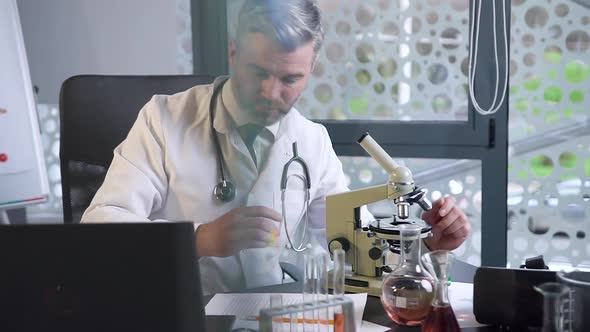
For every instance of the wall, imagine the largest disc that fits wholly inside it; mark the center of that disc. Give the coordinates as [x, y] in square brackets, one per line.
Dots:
[69, 37]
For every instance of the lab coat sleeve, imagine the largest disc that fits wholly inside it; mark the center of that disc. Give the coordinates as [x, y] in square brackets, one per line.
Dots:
[136, 182]
[332, 181]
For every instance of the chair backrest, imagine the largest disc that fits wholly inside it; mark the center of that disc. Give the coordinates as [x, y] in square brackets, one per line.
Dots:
[96, 113]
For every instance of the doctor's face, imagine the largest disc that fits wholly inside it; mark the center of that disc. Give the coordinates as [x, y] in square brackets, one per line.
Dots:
[268, 80]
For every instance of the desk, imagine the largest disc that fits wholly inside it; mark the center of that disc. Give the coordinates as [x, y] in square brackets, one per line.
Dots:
[374, 312]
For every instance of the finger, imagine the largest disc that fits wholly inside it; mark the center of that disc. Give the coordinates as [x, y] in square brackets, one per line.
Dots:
[448, 204]
[260, 223]
[454, 226]
[252, 235]
[445, 222]
[262, 211]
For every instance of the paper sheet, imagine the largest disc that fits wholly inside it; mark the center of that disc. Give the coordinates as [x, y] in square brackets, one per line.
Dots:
[461, 297]
[247, 306]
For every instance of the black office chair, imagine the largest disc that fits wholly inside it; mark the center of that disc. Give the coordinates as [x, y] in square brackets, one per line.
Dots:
[96, 114]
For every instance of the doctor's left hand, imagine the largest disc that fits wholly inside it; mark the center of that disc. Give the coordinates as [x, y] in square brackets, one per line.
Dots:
[450, 226]
[240, 228]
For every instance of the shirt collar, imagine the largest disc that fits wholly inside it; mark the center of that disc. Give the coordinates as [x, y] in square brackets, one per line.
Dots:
[233, 109]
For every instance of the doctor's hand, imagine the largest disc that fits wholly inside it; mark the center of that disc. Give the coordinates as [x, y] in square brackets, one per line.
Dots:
[450, 226]
[241, 228]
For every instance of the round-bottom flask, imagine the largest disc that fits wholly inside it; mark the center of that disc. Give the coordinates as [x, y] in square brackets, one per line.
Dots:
[409, 289]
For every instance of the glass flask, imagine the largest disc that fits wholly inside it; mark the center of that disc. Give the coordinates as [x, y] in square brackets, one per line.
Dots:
[554, 297]
[409, 289]
[441, 317]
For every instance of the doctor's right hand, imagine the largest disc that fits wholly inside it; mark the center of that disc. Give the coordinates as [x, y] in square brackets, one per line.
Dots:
[240, 228]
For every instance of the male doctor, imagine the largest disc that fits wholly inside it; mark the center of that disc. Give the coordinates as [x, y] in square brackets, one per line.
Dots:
[169, 163]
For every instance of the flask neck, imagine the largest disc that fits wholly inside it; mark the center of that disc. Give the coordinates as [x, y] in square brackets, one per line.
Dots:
[441, 297]
[410, 248]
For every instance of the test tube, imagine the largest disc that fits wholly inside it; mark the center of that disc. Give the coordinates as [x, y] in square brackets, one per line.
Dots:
[309, 289]
[276, 301]
[322, 261]
[338, 287]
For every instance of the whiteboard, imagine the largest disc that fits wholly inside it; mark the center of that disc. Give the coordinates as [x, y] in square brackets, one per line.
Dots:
[23, 175]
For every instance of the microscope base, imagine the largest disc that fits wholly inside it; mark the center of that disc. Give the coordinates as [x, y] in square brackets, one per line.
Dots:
[361, 284]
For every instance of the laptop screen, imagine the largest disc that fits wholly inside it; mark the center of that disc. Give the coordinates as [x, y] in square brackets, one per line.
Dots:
[100, 277]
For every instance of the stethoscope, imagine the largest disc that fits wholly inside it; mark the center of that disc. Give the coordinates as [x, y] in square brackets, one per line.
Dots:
[225, 191]
[307, 180]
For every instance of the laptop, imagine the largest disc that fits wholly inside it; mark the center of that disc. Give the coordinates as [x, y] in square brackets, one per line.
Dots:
[100, 277]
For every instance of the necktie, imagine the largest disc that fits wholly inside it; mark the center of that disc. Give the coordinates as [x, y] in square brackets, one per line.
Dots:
[249, 132]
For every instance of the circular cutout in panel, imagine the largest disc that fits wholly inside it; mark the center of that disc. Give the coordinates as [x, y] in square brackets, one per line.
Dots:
[384, 4]
[574, 213]
[412, 69]
[437, 73]
[541, 246]
[551, 201]
[553, 54]
[560, 240]
[343, 28]
[431, 18]
[460, 5]
[379, 87]
[520, 244]
[456, 187]
[555, 31]
[553, 94]
[441, 103]
[335, 52]
[365, 14]
[542, 166]
[536, 226]
[323, 93]
[569, 187]
[465, 66]
[578, 41]
[515, 193]
[568, 160]
[365, 53]
[529, 59]
[424, 46]
[576, 71]
[451, 38]
[436, 195]
[513, 68]
[577, 96]
[363, 77]
[528, 40]
[536, 17]
[365, 175]
[342, 80]
[387, 68]
[476, 200]
[318, 69]
[581, 235]
[562, 10]
[390, 31]
[412, 25]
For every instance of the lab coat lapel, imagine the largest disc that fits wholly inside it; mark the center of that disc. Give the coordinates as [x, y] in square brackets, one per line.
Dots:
[261, 265]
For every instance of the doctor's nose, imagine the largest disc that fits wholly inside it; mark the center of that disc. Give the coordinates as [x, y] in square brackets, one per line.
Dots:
[270, 89]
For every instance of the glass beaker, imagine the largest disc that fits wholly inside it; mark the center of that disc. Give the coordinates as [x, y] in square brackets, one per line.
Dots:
[408, 290]
[579, 308]
[441, 317]
[554, 295]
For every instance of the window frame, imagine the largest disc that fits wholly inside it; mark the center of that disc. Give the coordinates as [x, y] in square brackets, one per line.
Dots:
[483, 138]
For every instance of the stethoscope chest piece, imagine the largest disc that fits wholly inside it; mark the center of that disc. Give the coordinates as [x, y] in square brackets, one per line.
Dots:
[224, 191]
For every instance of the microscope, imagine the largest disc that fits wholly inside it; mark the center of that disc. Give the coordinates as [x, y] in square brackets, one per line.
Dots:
[366, 244]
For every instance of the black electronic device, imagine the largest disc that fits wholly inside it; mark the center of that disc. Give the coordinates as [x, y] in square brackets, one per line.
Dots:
[503, 296]
[100, 277]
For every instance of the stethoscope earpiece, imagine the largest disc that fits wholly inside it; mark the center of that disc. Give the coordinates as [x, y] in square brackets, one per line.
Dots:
[224, 191]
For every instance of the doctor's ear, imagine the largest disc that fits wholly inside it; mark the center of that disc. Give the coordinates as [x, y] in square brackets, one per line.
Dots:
[233, 49]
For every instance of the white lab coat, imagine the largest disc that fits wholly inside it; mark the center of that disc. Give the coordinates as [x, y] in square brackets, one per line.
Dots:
[166, 169]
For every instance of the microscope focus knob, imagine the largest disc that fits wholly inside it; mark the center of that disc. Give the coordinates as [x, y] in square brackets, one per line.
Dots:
[375, 253]
[339, 243]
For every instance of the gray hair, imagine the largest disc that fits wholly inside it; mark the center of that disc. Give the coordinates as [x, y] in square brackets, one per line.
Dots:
[291, 23]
